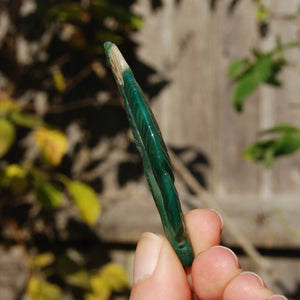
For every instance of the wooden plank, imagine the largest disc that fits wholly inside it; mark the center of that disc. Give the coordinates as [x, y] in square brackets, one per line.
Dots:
[267, 223]
[286, 172]
[177, 42]
[286, 268]
[238, 36]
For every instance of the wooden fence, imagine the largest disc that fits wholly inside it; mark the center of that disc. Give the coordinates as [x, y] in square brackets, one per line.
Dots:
[192, 45]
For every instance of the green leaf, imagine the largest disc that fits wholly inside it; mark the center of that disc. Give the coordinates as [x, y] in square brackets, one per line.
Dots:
[104, 9]
[70, 269]
[238, 67]
[262, 14]
[42, 260]
[41, 290]
[281, 128]
[268, 150]
[7, 136]
[49, 195]
[25, 119]
[256, 151]
[247, 84]
[86, 201]
[16, 179]
[287, 144]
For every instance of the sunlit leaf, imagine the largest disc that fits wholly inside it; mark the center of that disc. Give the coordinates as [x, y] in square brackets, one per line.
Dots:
[105, 295]
[110, 278]
[262, 14]
[49, 195]
[100, 287]
[261, 151]
[7, 135]
[52, 143]
[41, 290]
[25, 119]
[72, 272]
[86, 201]
[42, 260]
[104, 9]
[59, 80]
[237, 67]
[115, 276]
[80, 279]
[16, 179]
[268, 150]
[8, 106]
[247, 84]
[287, 144]
[282, 128]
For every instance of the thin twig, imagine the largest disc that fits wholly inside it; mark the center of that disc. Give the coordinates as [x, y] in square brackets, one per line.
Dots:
[20, 241]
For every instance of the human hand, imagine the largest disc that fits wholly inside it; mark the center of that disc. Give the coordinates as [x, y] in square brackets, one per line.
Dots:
[214, 275]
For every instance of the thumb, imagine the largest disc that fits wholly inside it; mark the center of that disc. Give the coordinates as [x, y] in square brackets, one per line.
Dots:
[158, 273]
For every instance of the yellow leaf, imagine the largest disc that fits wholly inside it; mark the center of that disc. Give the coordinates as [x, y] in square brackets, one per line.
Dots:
[14, 171]
[53, 145]
[41, 290]
[17, 179]
[80, 279]
[7, 135]
[43, 260]
[86, 201]
[59, 80]
[7, 105]
[101, 289]
[262, 14]
[115, 276]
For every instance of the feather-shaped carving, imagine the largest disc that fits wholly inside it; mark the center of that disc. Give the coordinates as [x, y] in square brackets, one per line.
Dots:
[156, 160]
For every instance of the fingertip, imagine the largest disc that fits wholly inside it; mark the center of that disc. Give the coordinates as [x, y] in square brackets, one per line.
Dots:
[146, 255]
[158, 273]
[247, 286]
[278, 297]
[205, 228]
[212, 270]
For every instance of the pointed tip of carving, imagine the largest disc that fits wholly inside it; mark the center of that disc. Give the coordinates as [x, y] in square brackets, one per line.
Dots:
[116, 60]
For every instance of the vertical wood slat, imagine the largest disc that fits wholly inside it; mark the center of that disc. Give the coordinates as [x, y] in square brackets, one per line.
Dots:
[286, 173]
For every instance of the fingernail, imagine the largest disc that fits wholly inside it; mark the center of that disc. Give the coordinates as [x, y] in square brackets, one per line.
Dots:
[146, 256]
[237, 263]
[278, 297]
[258, 279]
[220, 216]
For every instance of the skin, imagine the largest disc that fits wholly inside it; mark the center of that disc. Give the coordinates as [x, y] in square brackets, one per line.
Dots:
[214, 275]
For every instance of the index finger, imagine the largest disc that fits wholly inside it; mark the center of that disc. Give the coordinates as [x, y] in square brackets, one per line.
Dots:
[205, 228]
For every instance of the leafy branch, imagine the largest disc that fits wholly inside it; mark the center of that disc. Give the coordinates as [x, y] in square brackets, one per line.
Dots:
[248, 74]
[54, 48]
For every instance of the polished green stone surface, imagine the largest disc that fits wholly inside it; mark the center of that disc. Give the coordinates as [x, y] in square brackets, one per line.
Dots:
[157, 164]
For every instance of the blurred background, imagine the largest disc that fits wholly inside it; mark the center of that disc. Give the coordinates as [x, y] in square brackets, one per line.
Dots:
[222, 78]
